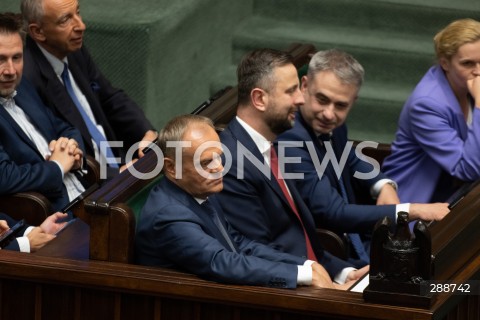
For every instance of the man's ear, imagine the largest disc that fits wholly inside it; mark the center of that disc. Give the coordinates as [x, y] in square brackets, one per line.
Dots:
[169, 167]
[36, 32]
[304, 83]
[259, 98]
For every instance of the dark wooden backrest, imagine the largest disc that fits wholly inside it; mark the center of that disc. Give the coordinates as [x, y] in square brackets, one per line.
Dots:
[34, 207]
[111, 219]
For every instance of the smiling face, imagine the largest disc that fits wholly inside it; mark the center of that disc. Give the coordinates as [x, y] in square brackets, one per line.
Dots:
[462, 66]
[327, 101]
[11, 62]
[201, 165]
[61, 30]
[283, 99]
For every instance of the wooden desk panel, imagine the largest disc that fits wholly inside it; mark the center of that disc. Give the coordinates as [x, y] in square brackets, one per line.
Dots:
[72, 242]
[42, 287]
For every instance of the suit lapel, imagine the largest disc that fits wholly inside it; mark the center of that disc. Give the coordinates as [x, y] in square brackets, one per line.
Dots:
[321, 152]
[21, 134]
[242, 136]
[339, 139]
[26, 102]
[54, 88]
[85, 86]
[185, 198]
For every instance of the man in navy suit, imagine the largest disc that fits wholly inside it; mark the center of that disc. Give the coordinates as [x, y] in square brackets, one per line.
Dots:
[254, 201]
[56, 32]
[33, 238]
[330, 88]
[38, 152]
[182, 224]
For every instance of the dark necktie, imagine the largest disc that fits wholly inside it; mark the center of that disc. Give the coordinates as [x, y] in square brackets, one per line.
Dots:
[355, 239]
[214, 215]
[97, 136]
[283, 186]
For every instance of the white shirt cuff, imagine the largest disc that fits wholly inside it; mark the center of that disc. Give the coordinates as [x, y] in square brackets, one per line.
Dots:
[305, 273]
[341, 277]
[23, 244]
[377, 187]
[60, 167]
[401, 207]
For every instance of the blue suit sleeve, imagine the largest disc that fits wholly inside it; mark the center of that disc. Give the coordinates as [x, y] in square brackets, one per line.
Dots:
[186, 244]
[44, 177]
[329, 208]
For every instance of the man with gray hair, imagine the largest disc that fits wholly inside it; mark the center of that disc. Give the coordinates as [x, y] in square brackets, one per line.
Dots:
[69, 82]
[319, 135]
[182, 224]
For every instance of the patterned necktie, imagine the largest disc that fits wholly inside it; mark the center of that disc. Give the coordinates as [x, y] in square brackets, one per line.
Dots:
[355, 239]
[97, 136]
[283, 186]
[214, 215]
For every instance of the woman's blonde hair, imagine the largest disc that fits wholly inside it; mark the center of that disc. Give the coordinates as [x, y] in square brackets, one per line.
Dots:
[456, 34]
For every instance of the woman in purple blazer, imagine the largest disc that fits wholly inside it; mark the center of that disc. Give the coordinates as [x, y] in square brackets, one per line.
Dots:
[437, 143]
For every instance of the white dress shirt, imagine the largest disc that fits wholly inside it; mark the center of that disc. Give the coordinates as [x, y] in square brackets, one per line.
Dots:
[72, 184]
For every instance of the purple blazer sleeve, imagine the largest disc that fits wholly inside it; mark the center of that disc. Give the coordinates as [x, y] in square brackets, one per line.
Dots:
[433, 138]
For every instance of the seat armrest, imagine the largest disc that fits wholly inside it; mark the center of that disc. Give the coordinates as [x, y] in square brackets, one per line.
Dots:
[31, 206]
[333, 243]
[93, 170]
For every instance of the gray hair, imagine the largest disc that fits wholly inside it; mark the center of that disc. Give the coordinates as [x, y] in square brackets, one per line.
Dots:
[32, 11]
[342, 64]
[175, 129]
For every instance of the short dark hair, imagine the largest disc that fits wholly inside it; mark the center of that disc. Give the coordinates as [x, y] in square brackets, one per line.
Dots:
[11, 23]
[256, 69]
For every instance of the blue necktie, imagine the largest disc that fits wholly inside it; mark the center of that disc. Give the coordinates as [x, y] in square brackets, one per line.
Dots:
[214, 215]
[355, 239]
[97, 136]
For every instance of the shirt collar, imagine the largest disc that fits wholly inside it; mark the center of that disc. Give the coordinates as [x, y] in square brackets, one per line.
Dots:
[57, 64]
[199, 200]
[262, 144]
[5, 100]
[330, 134]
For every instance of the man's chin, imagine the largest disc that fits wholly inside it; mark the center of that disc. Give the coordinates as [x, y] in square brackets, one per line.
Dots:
[6, 92]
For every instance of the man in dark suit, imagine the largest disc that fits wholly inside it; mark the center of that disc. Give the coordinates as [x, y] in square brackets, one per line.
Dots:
[257, 203]
[182, 224]
[32, 238]
[330, 88]
[55, 40]
[38, 152]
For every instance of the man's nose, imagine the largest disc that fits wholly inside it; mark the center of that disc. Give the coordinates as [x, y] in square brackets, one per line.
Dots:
[8, 67]
[329, 111]
[299, 98]
[78, 23]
